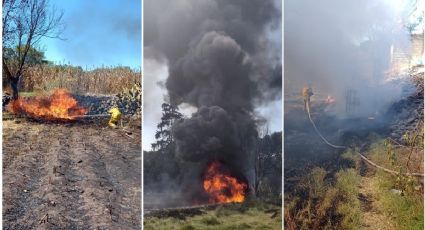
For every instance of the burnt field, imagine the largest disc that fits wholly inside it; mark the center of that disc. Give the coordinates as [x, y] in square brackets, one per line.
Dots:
[335, 188]
[77, 174]
[304, 149]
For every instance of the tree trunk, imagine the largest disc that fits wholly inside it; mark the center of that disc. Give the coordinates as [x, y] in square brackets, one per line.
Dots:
[14, 84]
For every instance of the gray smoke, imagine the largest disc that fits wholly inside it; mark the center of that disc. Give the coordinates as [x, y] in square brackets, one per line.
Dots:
[338, 46]
[221, 61]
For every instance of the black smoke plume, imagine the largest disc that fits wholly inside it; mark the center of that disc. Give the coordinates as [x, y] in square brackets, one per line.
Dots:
[221, 61]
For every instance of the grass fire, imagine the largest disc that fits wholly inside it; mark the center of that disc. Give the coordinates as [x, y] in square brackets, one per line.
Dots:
[60, 105]
[354, 152]
[71, 110]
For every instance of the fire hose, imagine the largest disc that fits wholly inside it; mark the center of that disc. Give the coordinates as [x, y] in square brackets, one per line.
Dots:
[91, 115]
[318, 132]
[114, 113]
[361, 155]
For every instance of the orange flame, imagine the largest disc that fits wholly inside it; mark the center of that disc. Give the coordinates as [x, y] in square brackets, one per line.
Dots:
[221, 186]
[329, 100]
[60, 105]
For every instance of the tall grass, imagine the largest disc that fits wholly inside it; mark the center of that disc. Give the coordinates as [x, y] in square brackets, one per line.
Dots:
[105, 80]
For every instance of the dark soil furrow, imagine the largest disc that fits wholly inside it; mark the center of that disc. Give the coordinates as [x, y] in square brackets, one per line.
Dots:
[70, 176]
[23, 181]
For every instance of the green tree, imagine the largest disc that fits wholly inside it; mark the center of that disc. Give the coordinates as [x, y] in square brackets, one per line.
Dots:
[34, 56]
[163, 135]
[25, 22]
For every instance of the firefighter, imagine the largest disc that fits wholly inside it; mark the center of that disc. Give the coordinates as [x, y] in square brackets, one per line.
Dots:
[307, 92]
[115, 117]
[6, 99]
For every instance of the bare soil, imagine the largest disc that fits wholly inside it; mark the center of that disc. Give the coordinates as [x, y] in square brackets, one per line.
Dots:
[70, 176]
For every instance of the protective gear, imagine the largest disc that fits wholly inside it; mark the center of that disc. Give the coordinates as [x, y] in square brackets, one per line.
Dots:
[115, 117]
[307, 92]
[6, 99]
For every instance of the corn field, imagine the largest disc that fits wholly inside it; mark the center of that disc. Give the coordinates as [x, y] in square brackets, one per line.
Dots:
[105, 80]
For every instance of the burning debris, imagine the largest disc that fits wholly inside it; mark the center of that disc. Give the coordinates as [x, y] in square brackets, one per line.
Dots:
[59, 106]
[221, 186]
[329, 100]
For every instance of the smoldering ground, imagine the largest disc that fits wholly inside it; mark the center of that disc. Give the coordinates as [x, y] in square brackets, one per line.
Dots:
[340, 46]
[337, 47]
[222, 62]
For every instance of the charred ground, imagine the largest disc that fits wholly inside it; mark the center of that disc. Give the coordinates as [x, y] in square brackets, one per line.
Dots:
[321, 183]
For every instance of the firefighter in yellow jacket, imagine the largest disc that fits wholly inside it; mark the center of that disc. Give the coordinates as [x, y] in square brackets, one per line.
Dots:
[115, 117]
[307, 92]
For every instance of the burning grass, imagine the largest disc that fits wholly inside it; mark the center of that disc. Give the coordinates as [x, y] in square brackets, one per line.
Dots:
[59, 106]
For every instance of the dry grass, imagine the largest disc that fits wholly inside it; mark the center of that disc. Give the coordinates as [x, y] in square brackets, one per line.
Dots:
[321, 204]
[418, 80]
[105, 80]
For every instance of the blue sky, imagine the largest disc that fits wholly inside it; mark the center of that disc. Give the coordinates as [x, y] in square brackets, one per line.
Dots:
[97, 33]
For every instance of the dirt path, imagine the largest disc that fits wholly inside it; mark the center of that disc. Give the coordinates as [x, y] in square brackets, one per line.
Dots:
[70, 176]
[372, 217]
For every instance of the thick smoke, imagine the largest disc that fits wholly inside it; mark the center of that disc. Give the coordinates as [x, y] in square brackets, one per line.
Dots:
[214, 71]
[222, 62]
[339, 46]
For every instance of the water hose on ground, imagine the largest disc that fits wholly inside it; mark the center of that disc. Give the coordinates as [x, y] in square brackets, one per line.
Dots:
[361, 155]
[318, 132]
[389, 170]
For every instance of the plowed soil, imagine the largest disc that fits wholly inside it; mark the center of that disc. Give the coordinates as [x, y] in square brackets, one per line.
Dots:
[70, 176]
